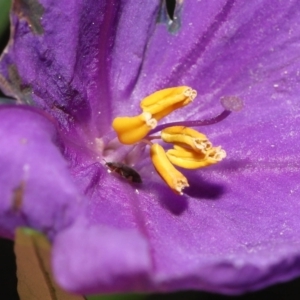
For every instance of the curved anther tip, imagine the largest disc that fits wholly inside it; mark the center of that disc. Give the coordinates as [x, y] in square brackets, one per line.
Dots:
[151, 122]
[232, 103]
[189, 92]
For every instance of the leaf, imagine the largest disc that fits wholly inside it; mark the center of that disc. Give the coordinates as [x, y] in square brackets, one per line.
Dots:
[35, 279]
[4, 13]
[118, 297]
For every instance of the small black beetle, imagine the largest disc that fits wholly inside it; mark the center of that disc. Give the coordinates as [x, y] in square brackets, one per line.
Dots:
[125, 171]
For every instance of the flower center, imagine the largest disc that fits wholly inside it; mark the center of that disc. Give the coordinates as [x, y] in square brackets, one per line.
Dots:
[191, 149]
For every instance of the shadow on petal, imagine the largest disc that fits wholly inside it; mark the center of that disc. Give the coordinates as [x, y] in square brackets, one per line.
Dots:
[176, 204]
[203, 189]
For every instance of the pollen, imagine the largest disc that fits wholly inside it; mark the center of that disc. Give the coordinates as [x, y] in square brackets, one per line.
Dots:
[172, 177]
[133, 129]
[189, 159]
[188, 137]
[163, 102]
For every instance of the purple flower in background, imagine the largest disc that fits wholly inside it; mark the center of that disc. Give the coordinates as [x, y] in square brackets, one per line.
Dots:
[80, 64]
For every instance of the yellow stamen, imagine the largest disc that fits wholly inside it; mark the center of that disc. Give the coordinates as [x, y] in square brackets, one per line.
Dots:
[180, 135]
[189, 159]
[192, 149]
[173, 178]
[132, 129]
[163, 102]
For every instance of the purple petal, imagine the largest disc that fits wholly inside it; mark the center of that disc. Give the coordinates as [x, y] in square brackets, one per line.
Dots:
[118, 259]
[247, 49]
[235, 230]
[237, 227]
[67, 73]
[36, 188]
[72, 80]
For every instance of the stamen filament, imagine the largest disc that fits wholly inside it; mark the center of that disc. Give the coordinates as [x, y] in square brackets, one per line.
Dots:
[223, 115]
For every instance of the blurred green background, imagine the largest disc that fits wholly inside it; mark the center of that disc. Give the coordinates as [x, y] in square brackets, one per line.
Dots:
[4, 30]
[4, 9]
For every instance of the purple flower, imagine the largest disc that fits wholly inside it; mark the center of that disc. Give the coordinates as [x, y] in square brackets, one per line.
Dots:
[80, 64]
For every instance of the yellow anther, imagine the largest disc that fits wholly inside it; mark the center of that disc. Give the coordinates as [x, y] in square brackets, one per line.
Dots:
[185, 136]
[192, 149]
[216, 153]
[174, 179]
[189, 159]
[132, 129]
[163, 102]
